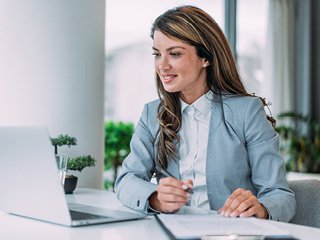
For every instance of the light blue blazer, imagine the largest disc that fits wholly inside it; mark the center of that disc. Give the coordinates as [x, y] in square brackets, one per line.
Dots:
[242, 153]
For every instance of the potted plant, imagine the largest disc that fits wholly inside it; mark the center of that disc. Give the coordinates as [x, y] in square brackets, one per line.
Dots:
[74, 163]
[299, 142]
[117, 141]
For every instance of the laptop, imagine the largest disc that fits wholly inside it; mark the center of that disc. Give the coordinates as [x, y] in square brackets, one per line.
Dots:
[30, 184]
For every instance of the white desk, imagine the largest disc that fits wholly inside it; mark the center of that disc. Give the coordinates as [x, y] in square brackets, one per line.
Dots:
[14, 227]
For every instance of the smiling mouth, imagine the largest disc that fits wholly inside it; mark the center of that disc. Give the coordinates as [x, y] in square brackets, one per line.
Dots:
[168, 78]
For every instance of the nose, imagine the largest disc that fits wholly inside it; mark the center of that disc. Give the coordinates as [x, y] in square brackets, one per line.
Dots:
[163, 63]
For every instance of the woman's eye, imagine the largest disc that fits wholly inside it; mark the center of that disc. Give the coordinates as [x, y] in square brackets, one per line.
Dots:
[175, 54]
[156, 54]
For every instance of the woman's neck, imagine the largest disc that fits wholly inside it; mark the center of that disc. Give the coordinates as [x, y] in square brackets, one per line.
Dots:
[191, 98]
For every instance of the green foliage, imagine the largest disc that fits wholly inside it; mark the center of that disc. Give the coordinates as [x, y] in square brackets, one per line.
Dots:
[76, 163]
[117, 141]
[108, 184]
[63, 140]
[79, 163]
[300, 142]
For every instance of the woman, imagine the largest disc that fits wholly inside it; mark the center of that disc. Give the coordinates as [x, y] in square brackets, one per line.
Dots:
[205, 130]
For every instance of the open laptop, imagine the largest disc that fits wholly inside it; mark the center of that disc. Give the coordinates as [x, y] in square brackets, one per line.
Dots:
[30, 185]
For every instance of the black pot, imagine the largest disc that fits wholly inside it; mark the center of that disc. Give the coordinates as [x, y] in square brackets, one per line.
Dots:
[70, 184]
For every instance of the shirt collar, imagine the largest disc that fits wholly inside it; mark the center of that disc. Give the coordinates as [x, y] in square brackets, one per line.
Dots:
[203, 104]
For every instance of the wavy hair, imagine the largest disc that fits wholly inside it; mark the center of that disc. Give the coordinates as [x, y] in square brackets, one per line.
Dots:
[195, 27]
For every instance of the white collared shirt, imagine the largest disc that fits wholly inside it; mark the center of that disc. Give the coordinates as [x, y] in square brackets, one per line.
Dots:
[194, 134]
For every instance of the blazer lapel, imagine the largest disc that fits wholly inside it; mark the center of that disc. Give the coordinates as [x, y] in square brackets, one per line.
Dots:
[215, 122]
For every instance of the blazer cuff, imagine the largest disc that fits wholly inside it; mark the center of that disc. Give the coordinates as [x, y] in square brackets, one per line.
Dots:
[269, 214]
[141, 201]
[275, 211]
[133, 197]
[150, 209]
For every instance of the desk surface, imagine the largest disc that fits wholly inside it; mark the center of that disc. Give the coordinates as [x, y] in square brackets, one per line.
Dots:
[14, 227]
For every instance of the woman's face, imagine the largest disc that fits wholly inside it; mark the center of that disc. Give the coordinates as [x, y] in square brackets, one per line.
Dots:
[179, 67]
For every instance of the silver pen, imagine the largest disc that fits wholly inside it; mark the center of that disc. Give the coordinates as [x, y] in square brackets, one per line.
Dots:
[167, 174]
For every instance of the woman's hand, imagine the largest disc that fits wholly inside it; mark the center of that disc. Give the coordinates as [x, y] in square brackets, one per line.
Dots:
[242, 203]
[171, 195]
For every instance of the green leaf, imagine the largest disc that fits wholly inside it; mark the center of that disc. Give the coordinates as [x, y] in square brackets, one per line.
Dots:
[79, 163]
[299, 142]
[117, 144]
[64, 140]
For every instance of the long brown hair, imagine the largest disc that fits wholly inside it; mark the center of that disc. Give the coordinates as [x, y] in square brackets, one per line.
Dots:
[195, 27]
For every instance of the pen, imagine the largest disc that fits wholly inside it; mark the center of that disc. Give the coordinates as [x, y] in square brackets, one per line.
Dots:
[167, 174]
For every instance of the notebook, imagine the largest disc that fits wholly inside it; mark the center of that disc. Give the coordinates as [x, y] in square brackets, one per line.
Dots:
[30, 184]
[210, 225]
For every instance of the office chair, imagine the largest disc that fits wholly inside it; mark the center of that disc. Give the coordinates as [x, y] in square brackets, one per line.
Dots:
[308, 202]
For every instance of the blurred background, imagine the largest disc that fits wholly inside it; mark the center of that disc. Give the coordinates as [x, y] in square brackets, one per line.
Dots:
[85, 68]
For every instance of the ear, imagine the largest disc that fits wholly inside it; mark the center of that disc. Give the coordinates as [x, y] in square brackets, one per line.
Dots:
[205, 62]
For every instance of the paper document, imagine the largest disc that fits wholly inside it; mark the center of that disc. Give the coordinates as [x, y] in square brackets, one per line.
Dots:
[191, 226]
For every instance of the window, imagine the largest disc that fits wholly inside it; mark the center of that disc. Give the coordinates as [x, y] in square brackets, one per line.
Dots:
[251, 45]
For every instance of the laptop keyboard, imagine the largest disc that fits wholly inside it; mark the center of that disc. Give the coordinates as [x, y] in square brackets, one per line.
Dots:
[76, 215]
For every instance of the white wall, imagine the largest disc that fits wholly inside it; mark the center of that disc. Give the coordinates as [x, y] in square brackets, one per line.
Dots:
[52, 71]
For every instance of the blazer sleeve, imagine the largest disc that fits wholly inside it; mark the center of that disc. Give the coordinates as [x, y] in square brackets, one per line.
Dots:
[268, 169]
[133, 186]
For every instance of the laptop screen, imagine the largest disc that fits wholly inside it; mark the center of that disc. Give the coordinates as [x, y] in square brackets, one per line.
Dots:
[29, 181]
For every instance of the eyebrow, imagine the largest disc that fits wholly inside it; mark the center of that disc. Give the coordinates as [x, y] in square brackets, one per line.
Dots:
[169, 49]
